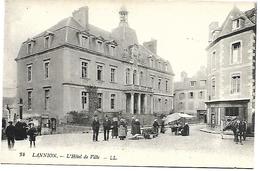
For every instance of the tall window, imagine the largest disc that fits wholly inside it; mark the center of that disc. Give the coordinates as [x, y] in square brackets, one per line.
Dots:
[46, 69]
[236, 53]
[112, 50]
[99, 101]
[201, 94]
[181, 96]
[85, 42]
[46, 99]
[213, 87]
[84, 69]
[235, 24]
[235, 83]
[192, 83]
[99, 46]
[112, 76]
[203, 82]
[29, 73]
[29, 48]
[112, 101]
[29, 100]
[191, 95]
[84, 99]
[141, 78]
[159, 84]
[166, 85]
[152, 82]
[47, 42]
[127, 79]
[134, 77]
[99, 72]
[213, 60]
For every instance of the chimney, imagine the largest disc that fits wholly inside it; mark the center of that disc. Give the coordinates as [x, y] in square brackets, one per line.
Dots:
[81, 16]
[184, 75]
[151, 45]
[212, 28]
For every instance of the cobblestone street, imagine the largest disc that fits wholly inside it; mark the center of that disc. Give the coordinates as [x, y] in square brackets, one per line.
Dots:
[200, 149]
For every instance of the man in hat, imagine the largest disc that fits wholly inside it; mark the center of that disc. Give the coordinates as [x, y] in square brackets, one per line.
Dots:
[32, 132]
[106, 127]
[95, 128]
[10, 134]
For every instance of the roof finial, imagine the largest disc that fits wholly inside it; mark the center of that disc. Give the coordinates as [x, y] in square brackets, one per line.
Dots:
[123, 14]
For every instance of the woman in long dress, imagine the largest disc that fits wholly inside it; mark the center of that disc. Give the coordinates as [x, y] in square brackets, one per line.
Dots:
[114, 128]
[122, 130]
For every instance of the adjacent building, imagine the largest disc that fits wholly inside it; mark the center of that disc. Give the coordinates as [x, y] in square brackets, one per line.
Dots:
[231, 68]
[190, 95]
[75, 66]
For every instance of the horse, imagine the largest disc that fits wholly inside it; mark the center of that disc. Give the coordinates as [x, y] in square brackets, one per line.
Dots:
[236, 127]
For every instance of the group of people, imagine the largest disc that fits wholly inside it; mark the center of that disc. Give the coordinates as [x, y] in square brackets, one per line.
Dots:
[12, 133]
[119, 129]
[179, 129]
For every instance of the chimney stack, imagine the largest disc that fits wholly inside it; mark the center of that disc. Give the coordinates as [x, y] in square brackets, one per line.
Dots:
[81, 16]
[212, 28]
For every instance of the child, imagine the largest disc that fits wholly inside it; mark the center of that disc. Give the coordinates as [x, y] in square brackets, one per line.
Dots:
[32, 134]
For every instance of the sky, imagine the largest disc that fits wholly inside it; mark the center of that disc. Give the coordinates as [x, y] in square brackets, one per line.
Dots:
[180, 27]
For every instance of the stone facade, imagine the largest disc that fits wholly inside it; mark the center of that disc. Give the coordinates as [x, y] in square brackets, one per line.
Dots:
[56, 68]
[190, 95]
[231, 68]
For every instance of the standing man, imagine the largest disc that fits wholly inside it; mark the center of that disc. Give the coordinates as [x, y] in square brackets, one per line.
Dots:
[32, 132]
[156, 126]
[244, 129]
[133, 128]
[95, 128]
[106, 126]
[10, 134]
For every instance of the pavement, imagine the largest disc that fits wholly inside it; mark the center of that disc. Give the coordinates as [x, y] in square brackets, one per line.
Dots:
[200, 149]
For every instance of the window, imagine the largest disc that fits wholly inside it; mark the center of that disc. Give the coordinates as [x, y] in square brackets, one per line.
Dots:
[127, 79]
[203, 82]
[84, 69]
[152, 82]
[191, 95]
[29, 100]
[235, 24]
[159, 84]
[29, 73]
[84, 99]
[201, 94]
[166, 67]
[46, 69]
[235, 83]
[112, 77]
[85, 42]
[134, 77]
[181, 96]
[99, 101]
[99, 46]
[213, 87]
[46, 99]
[181, 106]
[112, 101]
[166, 85]
[231, 111]
[192, 83]
[112, 50]
[165, 101]
[99, 72]
[159, 65]
[47, 42]
[141, 78]
[29, 48]
[236, 53]
[213, 60]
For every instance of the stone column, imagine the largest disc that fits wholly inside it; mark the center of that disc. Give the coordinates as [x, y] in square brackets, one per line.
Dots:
[145, 103]
[151, 104]
[132, 103]
[139, 103]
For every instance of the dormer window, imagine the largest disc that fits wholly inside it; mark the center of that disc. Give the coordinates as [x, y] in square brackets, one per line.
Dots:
[85, 41]
[47, 42]
[99, 46]
[112, 50]
[29, 48]
[235, 24]
[166, 67]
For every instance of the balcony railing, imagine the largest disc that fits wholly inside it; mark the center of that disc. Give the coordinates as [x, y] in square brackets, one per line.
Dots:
[137, 88]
